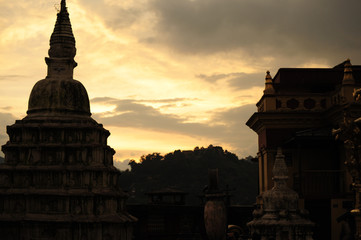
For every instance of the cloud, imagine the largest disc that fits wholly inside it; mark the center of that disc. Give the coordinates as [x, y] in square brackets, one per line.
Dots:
[293, 30]
[12, 77]
[5, 120]
[216, 77]
[236, 133]
[117, 14]
[169, 100]
[122, 165]
[7, 108]
[237, 80]
[170, 103]
[166, 101]
[103, 100]
[225, 126]
[129, 113]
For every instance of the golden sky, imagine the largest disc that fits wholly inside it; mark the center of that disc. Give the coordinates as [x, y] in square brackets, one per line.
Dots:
[163, 75]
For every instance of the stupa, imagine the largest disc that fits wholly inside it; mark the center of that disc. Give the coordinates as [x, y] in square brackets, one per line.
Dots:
[279, 217]
[58, 180]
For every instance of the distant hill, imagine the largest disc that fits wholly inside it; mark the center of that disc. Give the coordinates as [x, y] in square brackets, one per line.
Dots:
[2, 160]
[188, 171]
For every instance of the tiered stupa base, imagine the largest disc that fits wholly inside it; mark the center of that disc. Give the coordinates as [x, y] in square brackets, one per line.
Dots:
[59, 182]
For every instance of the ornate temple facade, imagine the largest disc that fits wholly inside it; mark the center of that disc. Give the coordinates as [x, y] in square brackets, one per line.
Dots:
[58, 180]
[278, 216]
[298, 110]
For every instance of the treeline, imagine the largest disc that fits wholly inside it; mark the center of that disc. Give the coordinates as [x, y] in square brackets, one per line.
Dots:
[188, 171]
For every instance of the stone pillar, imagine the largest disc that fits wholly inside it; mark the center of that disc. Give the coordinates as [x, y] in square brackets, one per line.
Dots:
[215, 212]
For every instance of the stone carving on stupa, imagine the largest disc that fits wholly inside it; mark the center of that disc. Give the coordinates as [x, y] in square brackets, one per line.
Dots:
[58, 180]
[278, 217]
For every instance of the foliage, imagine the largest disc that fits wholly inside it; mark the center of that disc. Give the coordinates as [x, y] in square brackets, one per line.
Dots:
[188, 171]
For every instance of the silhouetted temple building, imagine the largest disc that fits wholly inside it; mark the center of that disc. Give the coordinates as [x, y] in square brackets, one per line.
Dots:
[58, 180]
[298, 110]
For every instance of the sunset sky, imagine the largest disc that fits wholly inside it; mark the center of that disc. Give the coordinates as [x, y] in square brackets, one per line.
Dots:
[164, 75]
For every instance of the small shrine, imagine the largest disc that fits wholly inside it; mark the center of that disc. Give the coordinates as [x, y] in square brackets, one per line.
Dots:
[278, 216]
[58, 180]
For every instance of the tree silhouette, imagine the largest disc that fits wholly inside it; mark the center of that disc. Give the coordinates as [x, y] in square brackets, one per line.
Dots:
[188, 171]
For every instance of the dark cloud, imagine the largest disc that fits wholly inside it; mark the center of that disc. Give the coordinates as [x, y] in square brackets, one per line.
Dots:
[129, 113]
[245, 81]
[236, 133]
[227, 126]
[291, 30]
[237, 80]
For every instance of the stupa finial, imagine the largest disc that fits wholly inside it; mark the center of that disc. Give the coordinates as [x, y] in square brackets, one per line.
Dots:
[63, 6]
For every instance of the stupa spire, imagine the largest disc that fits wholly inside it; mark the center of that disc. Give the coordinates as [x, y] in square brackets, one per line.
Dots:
[63, 5]
[62, 41]
[62, 46]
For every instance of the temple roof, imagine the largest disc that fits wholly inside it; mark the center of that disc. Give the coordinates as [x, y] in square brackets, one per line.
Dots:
[313, 80]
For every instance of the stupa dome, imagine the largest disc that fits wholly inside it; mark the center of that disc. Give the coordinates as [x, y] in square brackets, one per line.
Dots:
[63, 96]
